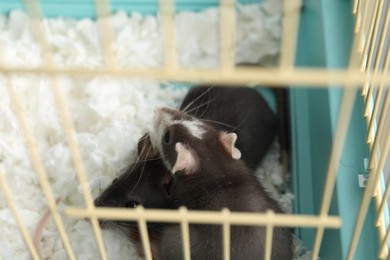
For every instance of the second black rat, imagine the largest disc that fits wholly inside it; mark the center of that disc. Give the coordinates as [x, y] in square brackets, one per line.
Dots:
[241, 110]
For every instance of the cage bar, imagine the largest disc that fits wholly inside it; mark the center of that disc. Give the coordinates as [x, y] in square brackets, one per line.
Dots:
[227, 35]
[289, 32]
[226, 234]
[383, 244]
[268, 238]
[380, 90]
[77, 161]
[355, 6]
[185, 234]
[379, 132]
[144, 233]
[103, 11]
[168, 33]
[372, 117]
[38, 166]
[33, 10]
[206, 217]
[315, 78]
[371, 185]
[361, 16]
[369, 47]
[11, 204]
[383, 203]
[346, 107]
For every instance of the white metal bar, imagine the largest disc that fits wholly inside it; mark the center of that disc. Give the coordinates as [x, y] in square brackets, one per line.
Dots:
[372, 182]
[362, 31]
[381, 120]
[383, 203]
[268, 238]
[372, 116]
[77, 161]
[378, 55]
[226, 234]
[103, 12]
[346, 106]
[371, 39]
[33, 10]
[381, 125]
[315, 78]
[381, 227]
[290, 22]
[368, 37]
[185, 235]
[227, 40]
[204, 217]
[38, 30]
[38, 167]
[355, 6]
[383, 244]
[144, 234]
[358, 16]
[367, 105]
[11, 204]
[168, 33]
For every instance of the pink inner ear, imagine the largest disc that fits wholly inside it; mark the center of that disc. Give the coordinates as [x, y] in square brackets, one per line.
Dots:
[185, 161]
[228, 141]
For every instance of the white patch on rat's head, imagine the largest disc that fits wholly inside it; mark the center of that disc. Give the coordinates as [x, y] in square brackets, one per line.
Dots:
[163, 119]
[194, 127]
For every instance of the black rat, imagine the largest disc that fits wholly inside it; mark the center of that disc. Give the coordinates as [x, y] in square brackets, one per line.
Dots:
[209, 175]
[238, 109]
[241, 110]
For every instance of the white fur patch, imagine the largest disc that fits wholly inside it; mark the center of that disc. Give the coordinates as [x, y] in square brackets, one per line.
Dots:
[194, 127]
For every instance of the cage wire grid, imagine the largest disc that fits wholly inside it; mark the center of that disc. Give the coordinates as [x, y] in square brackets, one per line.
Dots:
[364, 70]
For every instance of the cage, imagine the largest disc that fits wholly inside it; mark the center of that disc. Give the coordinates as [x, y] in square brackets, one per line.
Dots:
[334, 58]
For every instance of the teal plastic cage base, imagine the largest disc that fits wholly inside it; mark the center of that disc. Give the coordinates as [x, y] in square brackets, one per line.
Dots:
[86, 8]
[325, 39]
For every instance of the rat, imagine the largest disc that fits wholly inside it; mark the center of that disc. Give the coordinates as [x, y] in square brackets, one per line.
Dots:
[144, 183]
[241, 110]
[209, 175]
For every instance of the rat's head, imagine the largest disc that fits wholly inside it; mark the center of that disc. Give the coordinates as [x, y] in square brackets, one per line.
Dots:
[186, 143]
[147, 182]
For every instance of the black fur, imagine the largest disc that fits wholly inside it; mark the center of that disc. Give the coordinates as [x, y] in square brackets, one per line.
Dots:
[241, 110]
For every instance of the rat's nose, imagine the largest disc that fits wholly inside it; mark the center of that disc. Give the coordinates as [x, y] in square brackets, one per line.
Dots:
[157, 117]
[157, 110]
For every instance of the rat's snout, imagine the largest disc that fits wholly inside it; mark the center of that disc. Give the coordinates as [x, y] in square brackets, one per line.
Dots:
[157, 110]
[157, 118]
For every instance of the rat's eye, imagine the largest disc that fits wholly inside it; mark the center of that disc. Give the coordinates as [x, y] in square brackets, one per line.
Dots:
[167, 136]
[114, 181]
[131, 204]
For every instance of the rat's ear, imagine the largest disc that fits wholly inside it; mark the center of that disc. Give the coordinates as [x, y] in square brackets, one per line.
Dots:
[145, 148]
[228, 141]
[185, 160]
